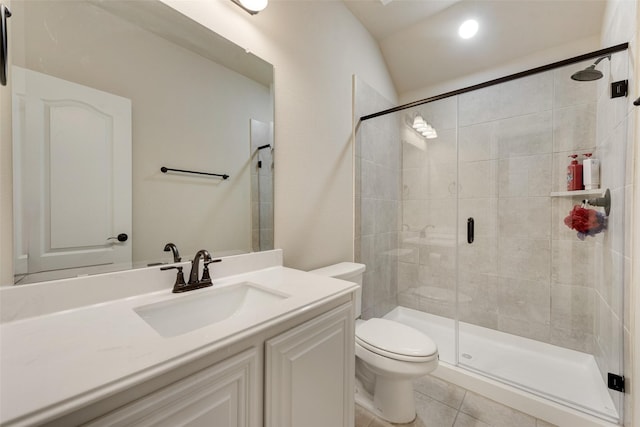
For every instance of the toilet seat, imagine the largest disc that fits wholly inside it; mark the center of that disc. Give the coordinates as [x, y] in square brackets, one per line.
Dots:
[395, 340]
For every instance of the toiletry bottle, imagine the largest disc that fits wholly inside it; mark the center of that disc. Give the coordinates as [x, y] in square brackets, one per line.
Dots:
[591, 172]
[574, 174]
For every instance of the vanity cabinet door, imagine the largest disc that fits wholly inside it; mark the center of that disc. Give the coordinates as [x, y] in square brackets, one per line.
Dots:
[310, 373]
[226, 394]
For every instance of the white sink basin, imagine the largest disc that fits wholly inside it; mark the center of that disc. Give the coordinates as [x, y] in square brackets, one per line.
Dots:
[188, 312]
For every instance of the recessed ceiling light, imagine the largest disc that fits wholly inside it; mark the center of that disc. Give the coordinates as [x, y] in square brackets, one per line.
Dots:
[468, 29]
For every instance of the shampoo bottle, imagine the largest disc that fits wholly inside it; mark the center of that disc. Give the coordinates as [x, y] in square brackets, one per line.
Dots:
[574, 174]
[591, 172]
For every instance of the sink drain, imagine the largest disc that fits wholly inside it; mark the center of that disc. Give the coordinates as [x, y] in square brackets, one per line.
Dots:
[467, 356]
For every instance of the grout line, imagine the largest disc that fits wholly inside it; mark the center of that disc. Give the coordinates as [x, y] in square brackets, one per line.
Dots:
[455, 419]
[464, 396]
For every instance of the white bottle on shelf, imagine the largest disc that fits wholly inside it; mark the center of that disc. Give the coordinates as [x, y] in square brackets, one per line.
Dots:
[590, 172]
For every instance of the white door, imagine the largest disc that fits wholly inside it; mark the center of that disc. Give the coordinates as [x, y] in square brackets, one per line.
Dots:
[72, 174]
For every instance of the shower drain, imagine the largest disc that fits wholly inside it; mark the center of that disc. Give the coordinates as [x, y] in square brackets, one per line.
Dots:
[467, 356]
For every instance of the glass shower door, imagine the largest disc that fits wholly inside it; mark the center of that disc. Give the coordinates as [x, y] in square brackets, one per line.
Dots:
[534, 299]
[428, 267]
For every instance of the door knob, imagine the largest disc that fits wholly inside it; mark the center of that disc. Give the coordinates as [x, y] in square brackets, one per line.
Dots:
[122, 237]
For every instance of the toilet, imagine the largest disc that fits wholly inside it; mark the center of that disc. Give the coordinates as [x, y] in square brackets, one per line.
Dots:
[389, 355]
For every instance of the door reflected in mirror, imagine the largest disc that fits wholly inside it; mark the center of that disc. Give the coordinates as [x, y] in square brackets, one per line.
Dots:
[104, 95]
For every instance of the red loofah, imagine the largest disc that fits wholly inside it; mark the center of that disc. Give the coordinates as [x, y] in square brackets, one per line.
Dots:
[581, 219]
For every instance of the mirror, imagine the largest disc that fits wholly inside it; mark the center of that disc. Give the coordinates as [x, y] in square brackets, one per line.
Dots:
[105, 94]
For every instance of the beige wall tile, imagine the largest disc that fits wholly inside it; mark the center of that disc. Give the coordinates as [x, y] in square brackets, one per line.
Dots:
[573, 262]
[478, 179]
[479, 106]
[573, 339]
[525, 135]
[524, 300]
[524, 259]
[525, 328]
[525, 176]
[525, 217]
[526, 95]
[478, 142]
[572, 308]
[574, 128]
[569, 92]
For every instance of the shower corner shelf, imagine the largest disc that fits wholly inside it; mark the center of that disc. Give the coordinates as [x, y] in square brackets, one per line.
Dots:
[603, 201]
[597, 191]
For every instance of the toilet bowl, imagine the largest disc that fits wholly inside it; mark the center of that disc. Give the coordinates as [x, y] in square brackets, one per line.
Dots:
[389, 355]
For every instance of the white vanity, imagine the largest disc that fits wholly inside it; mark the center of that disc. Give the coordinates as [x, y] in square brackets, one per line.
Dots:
[265, 345]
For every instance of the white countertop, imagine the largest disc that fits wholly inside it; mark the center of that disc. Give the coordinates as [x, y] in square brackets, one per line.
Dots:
[53, 364]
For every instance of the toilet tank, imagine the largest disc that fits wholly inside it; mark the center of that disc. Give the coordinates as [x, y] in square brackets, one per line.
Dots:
[349, 271]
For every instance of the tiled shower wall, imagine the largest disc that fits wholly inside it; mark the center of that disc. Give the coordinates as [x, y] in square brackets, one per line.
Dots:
[377, 164]
[526, 273]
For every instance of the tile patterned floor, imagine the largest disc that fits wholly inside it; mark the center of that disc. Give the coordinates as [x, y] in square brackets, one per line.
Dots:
[441, 404]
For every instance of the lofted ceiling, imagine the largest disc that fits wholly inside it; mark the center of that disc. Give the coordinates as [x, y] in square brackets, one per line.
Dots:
[421, 46]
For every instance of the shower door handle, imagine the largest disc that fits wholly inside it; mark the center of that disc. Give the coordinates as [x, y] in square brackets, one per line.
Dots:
[470, 229]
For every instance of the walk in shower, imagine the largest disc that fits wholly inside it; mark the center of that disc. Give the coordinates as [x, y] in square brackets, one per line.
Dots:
[466, 232]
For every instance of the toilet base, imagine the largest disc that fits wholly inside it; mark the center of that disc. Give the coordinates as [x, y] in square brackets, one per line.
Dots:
[392, 401]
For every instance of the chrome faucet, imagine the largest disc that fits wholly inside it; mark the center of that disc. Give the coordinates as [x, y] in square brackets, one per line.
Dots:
[174, 249]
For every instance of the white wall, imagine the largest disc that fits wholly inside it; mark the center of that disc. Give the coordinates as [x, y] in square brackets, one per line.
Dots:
[315, 48]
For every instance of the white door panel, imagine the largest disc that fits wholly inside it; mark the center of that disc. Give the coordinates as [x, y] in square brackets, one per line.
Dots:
[73, 145]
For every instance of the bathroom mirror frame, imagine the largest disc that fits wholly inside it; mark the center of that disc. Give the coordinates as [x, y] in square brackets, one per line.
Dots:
[249, 191]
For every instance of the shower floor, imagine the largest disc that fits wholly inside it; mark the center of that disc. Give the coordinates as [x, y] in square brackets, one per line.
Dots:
[562, 375]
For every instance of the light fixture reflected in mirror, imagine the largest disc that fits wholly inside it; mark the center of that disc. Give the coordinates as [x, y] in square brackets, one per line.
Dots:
[421, 126]
[252, 6]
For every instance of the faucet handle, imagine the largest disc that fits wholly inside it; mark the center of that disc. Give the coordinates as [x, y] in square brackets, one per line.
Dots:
[205, 270]
[179, 284]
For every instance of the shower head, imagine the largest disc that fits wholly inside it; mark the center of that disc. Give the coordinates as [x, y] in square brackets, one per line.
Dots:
[590, 73]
